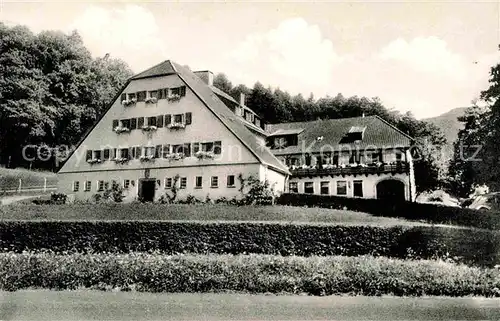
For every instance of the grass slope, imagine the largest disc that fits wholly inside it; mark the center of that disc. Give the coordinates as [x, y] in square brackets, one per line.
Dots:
[180, 212]
[9, 178]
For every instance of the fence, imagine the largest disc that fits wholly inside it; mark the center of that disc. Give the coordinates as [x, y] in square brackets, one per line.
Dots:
[21, 186]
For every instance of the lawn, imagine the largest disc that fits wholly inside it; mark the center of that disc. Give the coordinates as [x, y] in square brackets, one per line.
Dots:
[93, 305]
[180, 212]
[9, 178]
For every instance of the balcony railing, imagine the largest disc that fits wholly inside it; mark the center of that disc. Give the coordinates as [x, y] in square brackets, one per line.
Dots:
[400, 167]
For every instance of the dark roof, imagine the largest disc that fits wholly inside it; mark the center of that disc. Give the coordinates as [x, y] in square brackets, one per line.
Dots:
[378, 133]
[228, 118]
[161, 69]
[289, 131]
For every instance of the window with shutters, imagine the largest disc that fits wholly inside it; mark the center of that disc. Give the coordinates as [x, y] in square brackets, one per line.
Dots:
[189, 118]
[168, 119]
[166, 150]
[153, 94]
[116, 122]
[183, 182]
[125, 123]
[88, 186]
[136, 152]
[178, 118]
[113, 153]
[159, 121]
[196, 147]
[133, 123]
[168, 182]
[100, 186]
[76, 186]
[358, 188]
[178, 149]
[152, 121]
[124, 153]
[207, 147]
[217, 147]
[141, 96]
[149, 151]
[89, 155]
[131, 96]
[123, 97]
[98, 154]
[140, 122]
[198, 182]
[214, 182]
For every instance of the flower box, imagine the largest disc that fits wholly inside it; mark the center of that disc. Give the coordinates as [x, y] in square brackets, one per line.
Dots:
[94, 161]
[202, 155]
[175, 156]
[151, 100]
[176, 126]
[174, 97]
[129, 102]
[121, 160]
[147, 158]
[120, 130]
[149, 128]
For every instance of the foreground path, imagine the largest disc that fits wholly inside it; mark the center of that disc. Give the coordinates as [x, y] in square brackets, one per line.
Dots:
[90, 305]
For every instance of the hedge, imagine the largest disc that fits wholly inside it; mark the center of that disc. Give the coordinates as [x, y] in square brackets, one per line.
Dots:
[477, 247]
[245, 273]
[432, 213]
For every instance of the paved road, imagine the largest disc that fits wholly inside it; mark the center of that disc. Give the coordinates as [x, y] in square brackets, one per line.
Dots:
[92, 305]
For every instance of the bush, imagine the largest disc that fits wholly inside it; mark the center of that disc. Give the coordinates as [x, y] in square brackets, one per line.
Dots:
[432, 213]
[478, 247]
[245, 273]
[55, 199]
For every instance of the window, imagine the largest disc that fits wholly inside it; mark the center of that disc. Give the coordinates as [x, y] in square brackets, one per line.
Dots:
[106, 154]
[325, 188]
[341, 188]
[100, 186]
[97, 154]
[207, 147]
[123, 97]
[358, 188]
[116, 122]
[178, 118]
[141, 96]
[153, 94]
[280, 142]
[189, 118]
[181, 91]
[158, 152]
[136, 152]
[214, 181]
[309, 187]
[399, 156]
[183, 182]
[198, 182]
[149, 151]
[133, 123]
[293, 187]
[131, 96]
[230, 181]
[125, 123]
[168, 182]
[76, 186]
[166, 150]
[196, 147]
[178, 148]
[217, 147]
[126, 183]
[187, 150]
[152, 121]
[88, 186]
[124, 153]
[168, 119]
[161, 93]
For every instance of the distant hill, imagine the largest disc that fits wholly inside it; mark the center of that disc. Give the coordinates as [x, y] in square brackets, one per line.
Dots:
[449, 123]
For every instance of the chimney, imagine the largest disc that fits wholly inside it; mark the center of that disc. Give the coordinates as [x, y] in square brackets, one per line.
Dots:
[206, 75]
[242, 99]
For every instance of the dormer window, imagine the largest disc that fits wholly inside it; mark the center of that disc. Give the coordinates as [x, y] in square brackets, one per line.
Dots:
[355, 134]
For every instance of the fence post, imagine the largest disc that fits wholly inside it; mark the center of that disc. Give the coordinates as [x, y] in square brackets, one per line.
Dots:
[20, 185]
[44, 184]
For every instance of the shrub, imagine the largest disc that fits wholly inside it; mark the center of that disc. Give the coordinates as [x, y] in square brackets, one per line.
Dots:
[115, 193]
[432, 213]
[245, 273]
[257, 192]
[479, 247]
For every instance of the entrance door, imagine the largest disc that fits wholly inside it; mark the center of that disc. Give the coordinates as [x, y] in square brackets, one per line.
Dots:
[391, 190]
[147, 189]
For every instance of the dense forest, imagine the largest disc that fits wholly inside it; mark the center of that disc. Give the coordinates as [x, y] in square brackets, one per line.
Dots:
[52, 90]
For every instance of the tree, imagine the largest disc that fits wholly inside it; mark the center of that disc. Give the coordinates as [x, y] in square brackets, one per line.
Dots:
[222, 82]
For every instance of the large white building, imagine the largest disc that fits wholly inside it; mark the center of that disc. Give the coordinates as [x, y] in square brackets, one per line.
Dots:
[169, 125]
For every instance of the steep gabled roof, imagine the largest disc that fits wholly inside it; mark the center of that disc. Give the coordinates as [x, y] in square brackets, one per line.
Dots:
[229, 119]
[377, 133]
[161, 69]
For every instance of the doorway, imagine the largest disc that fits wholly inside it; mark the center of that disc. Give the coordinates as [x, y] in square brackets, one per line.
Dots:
[391, 190]
[147, 188]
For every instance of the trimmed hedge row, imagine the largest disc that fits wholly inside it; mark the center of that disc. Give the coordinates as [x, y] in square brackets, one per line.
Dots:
[245, 273]
[432, 213]
[478, 247]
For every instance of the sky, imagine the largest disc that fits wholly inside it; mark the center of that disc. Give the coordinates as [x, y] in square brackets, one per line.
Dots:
[423, 57]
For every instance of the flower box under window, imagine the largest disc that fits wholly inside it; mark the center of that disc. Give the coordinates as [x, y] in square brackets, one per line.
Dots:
[147, 158]
[121, 160]
[151, 100]
[176, 126]
[174, 97]
[204, 155]
[149, 128]
[175, 156]
[129, 102]
[119, 129]
[94, 161]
